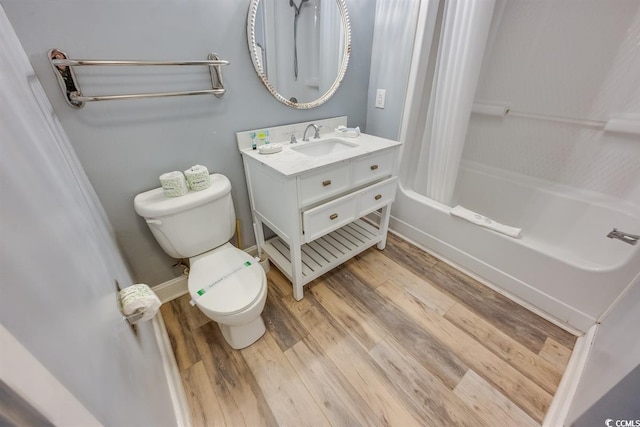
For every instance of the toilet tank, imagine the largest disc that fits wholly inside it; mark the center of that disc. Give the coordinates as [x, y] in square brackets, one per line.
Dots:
[189, 225]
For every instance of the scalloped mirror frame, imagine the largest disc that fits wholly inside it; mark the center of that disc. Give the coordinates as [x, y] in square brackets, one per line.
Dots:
[346, 25]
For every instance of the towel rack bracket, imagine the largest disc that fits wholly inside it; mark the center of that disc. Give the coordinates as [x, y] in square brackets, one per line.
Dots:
[216, 75]
[66, 78]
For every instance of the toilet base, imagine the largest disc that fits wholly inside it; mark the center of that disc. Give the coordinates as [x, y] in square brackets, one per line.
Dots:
[242, 336]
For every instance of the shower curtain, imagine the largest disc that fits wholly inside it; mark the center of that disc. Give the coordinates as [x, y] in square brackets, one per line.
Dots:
[463, 38]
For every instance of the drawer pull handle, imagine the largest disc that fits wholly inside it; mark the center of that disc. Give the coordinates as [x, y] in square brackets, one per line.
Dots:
[326, 183]
[374, 167]
[333, 216]
[378, 197]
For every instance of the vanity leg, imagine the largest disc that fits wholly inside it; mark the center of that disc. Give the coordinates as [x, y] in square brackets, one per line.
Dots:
[296, 270]
[384, 226]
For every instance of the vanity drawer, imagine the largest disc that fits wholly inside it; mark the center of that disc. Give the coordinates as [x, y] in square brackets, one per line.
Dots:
[372, 167]
[322, 219]
[319, 185]
[376, 196]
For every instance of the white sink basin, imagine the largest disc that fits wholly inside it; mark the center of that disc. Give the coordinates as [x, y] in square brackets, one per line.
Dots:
[323, 147]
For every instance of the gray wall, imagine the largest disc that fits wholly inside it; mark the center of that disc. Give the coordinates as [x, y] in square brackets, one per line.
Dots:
[125, 145]
[614, 355]
[395, 28]
[622, 402]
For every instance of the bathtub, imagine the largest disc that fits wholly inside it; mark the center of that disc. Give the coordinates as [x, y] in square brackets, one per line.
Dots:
[563, 266]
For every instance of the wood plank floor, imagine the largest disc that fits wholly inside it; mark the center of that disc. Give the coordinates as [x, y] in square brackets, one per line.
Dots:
[390, 338]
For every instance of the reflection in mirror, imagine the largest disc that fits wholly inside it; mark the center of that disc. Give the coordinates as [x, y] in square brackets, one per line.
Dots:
[299, 48]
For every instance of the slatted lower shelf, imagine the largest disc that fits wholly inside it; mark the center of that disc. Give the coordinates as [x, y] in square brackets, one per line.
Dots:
[326, 252]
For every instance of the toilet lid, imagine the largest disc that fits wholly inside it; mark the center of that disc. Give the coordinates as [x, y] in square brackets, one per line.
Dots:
[226, 280]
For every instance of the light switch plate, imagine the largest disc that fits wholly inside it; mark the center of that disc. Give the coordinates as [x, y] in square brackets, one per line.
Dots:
[380, 95]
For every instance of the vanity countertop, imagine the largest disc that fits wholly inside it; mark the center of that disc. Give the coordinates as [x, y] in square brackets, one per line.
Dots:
[289, 162]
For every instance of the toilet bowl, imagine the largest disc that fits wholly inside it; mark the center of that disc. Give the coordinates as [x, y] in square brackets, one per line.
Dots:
[230, 288]
[225, 283]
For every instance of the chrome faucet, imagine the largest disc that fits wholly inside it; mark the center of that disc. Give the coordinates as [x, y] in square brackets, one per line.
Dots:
[315, 136]
[629, 238]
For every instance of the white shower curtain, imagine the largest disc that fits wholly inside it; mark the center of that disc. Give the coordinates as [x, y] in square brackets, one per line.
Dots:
[463, 37]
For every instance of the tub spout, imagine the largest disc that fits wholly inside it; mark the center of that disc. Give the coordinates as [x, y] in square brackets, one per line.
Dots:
[629, 238]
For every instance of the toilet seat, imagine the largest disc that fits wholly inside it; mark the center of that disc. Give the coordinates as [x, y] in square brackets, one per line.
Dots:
[225, 280]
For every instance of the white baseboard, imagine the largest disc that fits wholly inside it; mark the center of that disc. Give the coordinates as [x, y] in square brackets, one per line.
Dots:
[171, 289]
[562, 400]
[172, 373]
[252, 250]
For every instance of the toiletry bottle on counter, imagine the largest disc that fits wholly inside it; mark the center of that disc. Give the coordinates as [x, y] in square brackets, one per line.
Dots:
[253, 140]
[261, 137]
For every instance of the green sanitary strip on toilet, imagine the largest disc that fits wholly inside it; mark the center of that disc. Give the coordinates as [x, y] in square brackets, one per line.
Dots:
[203, 291]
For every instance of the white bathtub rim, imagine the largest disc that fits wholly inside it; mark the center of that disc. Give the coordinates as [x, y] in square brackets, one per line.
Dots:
[525, 240]
[620, 213]
[574, 193]
[572, 320]
[595, 293]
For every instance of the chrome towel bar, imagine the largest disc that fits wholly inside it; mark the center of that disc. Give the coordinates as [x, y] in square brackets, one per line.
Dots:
[63, 69]
[80, 98]
[85, 62]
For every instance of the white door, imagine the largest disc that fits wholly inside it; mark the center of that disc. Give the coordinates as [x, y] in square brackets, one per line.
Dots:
[59, 263]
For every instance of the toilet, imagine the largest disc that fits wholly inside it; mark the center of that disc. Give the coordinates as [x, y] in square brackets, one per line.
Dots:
[226, 284]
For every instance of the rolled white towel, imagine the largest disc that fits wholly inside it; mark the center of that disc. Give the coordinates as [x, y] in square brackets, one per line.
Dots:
[174, 184]
[348, 132]
[198, 177]
[483, 221]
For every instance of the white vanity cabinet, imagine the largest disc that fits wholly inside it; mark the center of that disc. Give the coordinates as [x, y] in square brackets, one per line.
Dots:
[316, 212]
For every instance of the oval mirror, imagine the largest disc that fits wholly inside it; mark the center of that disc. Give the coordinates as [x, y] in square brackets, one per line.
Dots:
[299, 48]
